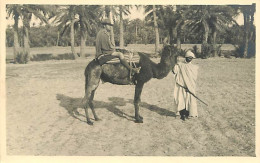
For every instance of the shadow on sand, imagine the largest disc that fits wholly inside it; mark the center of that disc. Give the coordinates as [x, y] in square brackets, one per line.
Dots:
[154, 108]
[72, 104]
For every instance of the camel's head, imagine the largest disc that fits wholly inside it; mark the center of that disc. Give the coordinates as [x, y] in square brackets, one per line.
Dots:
[169, 55]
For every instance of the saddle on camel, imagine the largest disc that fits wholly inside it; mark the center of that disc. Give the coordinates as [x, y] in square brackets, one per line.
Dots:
[130, 57]
[106, 53]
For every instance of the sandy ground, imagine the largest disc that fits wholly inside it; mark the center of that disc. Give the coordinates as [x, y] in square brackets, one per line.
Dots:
[41, 96]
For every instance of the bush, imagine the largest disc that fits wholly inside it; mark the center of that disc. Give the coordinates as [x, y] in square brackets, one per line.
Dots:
[206, 50]
[22, 57]
[239, 52]
[228, 54]
[45, 57]
[42, 57]
[195, 50]
[181, 52]
[218, 49]
[66, 56]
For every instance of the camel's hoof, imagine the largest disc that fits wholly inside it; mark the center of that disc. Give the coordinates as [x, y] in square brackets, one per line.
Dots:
[90, 123]
[141, 117]
[138, 121]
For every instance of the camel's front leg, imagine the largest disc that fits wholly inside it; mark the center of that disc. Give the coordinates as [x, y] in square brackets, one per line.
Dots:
[137, 100]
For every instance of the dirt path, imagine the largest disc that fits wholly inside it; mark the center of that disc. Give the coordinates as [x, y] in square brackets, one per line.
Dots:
[42, 95]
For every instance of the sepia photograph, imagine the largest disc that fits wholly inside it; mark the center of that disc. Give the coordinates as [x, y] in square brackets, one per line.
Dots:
[172, 79]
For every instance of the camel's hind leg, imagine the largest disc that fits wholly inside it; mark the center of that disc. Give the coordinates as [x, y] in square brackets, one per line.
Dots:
[92, 106]
[92, 75]
[88, 102]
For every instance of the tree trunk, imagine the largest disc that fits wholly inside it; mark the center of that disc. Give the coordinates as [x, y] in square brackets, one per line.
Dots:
[112, 29]
[204, 47]
[136, 34]
[206, 34]
[83, 36]
[171, 36]
[178, 43]
[214, 44]
[26, 40]
[121, 29]
[83, 39]
[26, 45]
[58, 38]
[246, 18]
[16, 41]
[156, 30]
[72, 40]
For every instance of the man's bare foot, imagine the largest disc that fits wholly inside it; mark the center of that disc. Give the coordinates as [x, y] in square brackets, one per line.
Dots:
[136, 70]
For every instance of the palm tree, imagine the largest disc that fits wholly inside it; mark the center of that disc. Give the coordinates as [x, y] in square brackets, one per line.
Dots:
[168, 17]
[82, 18]
[25, 13]
[208, 18]
[151, 14]
[14, 10]
[123, 10]
[248, 14]
[221, 18]
[173, 21]
[88, 16]
[66, 18]
[136, 25]
[197, 18]
[112, 13]
[39, 11]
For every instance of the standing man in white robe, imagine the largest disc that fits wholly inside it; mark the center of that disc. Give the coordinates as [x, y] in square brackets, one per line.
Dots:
[185, 74]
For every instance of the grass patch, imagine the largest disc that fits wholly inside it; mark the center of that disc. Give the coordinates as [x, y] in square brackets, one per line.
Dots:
[66, 56]
[45, 57]
[42, 57]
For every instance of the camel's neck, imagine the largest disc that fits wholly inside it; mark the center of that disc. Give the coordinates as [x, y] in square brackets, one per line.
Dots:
[161, 69]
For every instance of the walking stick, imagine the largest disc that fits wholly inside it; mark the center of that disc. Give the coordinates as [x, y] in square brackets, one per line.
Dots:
[187, 90]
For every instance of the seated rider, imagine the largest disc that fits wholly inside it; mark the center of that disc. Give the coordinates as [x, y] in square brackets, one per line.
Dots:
[104, 46]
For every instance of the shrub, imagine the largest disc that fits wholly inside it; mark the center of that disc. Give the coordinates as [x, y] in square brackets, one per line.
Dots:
[42, 57]
[218, 49]
[239, 52]
[181, 52]
[206, 50]
[22, 57]
[195, 50]
[227, 53]
[45, 57]
[251, 49]
[66, 56]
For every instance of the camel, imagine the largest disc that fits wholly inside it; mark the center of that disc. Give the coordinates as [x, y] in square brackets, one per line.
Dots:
[118, 74]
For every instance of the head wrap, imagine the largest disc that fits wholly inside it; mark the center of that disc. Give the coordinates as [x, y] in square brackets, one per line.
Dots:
[189, 54]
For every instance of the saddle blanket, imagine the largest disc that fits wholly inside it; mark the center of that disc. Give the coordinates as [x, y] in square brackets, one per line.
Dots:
[108, 59]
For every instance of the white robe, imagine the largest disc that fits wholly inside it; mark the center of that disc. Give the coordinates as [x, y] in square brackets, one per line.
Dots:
[186, 76]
